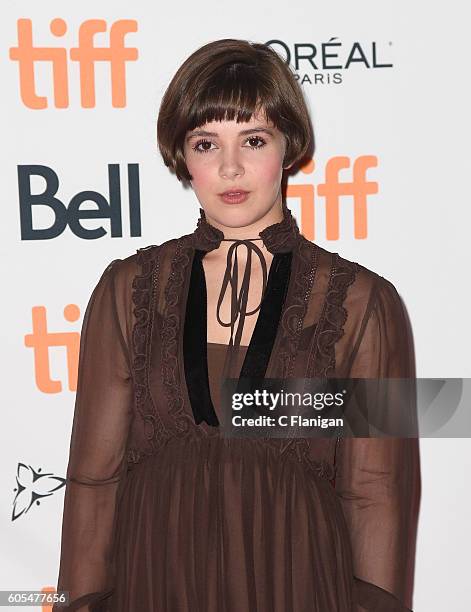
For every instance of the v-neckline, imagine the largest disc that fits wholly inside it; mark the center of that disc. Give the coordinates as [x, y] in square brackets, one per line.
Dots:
[262, 341]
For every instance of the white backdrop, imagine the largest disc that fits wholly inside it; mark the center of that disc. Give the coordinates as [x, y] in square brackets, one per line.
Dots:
[411, 118]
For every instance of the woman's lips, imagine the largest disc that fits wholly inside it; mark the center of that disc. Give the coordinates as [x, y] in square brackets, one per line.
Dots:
[235, 197]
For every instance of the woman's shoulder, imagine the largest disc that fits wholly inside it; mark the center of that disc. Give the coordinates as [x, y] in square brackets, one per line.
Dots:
[139, 263]
[362, 283]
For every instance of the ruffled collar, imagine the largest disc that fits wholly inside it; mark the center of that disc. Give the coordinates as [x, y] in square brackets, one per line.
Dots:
[279, 237]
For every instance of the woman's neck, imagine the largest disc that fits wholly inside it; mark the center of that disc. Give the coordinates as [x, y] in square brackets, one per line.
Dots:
[246, 232]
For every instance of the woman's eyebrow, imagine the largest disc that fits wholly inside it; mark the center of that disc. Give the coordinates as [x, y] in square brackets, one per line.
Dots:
[241, 133]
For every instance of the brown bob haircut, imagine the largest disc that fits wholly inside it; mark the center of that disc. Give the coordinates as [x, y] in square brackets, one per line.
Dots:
[227, 79]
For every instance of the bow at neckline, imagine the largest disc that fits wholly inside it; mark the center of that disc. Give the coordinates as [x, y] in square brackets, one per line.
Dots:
[279, 237]
[231, 278]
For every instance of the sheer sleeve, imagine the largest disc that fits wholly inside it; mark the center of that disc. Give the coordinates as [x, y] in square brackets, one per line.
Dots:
[378, 479]
[96, 466]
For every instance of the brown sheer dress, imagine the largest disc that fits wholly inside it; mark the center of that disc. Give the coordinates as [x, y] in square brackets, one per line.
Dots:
[163, 514]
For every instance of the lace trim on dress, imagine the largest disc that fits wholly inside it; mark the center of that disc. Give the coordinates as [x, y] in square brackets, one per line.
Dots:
[331, 324]
[170, 334]
[293, 317]
[329, 330]
[281, 237]
[143, 294]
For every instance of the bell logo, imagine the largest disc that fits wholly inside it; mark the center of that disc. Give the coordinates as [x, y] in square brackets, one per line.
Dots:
[72, 214]
[331, 190]
[86, 54]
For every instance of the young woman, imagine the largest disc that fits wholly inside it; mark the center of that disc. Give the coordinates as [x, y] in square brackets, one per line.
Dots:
[164, 514]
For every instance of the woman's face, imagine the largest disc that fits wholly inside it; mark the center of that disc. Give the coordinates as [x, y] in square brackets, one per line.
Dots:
[226, 155]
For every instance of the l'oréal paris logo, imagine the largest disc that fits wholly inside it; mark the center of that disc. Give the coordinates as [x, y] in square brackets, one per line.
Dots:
[324, 63]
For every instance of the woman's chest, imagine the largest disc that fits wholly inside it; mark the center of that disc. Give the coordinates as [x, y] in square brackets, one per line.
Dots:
[175, 309]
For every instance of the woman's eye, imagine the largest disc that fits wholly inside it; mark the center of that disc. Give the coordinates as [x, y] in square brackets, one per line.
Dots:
[201, 142]
[251, 139]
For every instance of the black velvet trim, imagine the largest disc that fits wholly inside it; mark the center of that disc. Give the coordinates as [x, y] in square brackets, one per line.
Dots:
[257, 357]
[263, 338]
[195, 348]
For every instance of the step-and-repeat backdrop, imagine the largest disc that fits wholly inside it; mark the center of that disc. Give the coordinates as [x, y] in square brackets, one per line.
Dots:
[388, 90]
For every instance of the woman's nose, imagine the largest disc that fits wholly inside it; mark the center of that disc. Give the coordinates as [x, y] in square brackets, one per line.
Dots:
[231, 165]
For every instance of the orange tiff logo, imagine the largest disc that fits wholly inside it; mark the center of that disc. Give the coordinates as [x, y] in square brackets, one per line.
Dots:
[332, 189]
[86, 54]
[41, 339]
